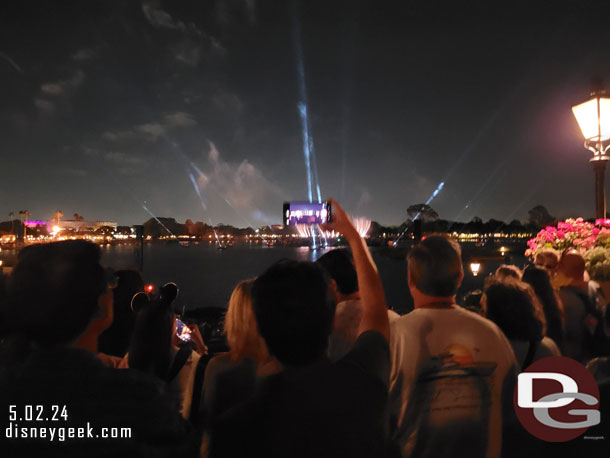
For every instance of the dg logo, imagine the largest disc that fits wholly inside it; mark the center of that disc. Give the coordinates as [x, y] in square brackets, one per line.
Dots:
[557, 399]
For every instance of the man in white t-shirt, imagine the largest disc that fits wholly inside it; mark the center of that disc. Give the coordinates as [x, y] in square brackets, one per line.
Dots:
[453, 371]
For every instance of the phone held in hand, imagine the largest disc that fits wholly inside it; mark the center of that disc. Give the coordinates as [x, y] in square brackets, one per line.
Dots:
[309, 213]
[182, 330]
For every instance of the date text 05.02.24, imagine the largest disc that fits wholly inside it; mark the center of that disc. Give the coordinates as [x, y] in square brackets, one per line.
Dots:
[38, 413]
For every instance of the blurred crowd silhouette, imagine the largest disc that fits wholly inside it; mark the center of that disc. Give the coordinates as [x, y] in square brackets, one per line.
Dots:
[317, 365]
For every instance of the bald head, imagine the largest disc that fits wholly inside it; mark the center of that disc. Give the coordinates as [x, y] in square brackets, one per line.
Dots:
[572, 265]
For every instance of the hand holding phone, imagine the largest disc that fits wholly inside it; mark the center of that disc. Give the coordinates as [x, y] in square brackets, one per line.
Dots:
[197, 339]
[340, 222]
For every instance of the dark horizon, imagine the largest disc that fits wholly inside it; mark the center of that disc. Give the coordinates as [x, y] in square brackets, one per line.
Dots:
[120, 110]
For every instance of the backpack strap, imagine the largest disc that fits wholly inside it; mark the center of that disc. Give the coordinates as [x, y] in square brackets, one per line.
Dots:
[180, 360]
[529, 357]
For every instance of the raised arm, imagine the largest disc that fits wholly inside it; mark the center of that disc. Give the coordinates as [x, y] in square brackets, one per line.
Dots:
[374, 309]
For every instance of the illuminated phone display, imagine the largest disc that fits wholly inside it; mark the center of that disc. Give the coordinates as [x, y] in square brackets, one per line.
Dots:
[306, 213]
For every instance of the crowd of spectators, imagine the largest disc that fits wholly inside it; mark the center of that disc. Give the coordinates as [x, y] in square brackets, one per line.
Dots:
[317, 366]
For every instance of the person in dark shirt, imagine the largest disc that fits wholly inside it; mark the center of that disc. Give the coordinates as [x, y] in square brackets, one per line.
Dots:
[56, 293]
[314, 407]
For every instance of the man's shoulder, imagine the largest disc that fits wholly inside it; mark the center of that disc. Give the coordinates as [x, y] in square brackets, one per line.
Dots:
[447, 321]
[456, 312]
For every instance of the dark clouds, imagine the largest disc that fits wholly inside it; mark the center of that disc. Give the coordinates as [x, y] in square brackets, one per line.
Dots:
[107, 105]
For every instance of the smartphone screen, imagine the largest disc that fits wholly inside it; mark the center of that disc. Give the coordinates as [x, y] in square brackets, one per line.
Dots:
[306, 213]
[182, 330]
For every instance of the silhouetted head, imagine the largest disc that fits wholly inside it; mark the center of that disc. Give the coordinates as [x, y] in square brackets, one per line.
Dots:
[338, 263]
[511, 306]
[53, 292]
[572, 265]
[129, 283]
[115, 339]
[508, 270]
[294, 311]
[538, 278]
[150, 349]
[435, 266]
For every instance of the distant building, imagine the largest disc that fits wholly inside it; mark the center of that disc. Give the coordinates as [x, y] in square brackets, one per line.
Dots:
[78, 226]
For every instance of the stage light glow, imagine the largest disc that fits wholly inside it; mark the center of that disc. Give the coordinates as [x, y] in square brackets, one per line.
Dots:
[363, 226]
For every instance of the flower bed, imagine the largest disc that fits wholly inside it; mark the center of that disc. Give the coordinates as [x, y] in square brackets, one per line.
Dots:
[591, 239]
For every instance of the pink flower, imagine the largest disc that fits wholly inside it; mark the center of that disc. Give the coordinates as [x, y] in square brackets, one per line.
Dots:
[589, 242]
[602, 222]
[595, 231]
[561, 234]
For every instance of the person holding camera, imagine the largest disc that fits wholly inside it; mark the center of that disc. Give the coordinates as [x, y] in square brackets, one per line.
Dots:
[314, 407]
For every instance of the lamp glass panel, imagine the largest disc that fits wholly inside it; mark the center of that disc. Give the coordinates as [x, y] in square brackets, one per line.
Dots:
[604, 111]
[586, 115]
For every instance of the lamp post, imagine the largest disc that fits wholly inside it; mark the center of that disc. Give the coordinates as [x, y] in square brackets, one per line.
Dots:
[593, 118]
[474, 268]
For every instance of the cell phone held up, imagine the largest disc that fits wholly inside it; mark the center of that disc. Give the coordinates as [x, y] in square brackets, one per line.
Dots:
[309, 213]
[182, 330]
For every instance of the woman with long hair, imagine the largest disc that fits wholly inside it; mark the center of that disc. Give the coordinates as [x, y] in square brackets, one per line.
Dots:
[513, 306]
[540, 281]
[232, 376]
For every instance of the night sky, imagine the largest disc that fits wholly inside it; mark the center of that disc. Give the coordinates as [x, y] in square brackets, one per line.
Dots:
[108, 108]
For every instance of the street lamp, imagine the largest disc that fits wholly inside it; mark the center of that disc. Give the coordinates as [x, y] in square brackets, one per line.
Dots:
[474, 268]
[593, 117]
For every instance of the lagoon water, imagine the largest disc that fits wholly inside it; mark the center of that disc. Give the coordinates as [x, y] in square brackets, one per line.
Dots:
[206, 276]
